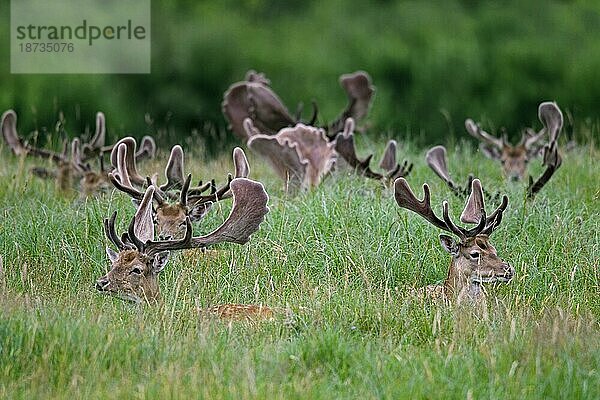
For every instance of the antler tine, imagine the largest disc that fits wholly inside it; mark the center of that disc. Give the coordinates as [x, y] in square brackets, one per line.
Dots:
[452, 227]
[130, 190]
[159, 196]
[130, 164]
[184, 190]
[478, 133]
[494, 220]
[530, 138]
[463, 233]
[76, 160]
[552, 161]
[141, 228]
[11, 136]
[111, 234]
[215, 195]
[400, 171]
[344, 145]
[406, 199]
[475, 204]
[124, 181]
[249, 209]
[315, 114]
[240, 163]
[147, 148]
[96, 144]
[174, 169]
[552, 118]
[388, 161]
[132, 236]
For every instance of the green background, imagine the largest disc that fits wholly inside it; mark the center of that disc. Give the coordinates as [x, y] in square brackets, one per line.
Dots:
[434, 63]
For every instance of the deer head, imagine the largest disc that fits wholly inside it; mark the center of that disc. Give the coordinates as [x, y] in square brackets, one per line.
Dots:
[344, 145]
[474, 258]
[91, 182]
[514, 158]
[138, 261]
[174, 200]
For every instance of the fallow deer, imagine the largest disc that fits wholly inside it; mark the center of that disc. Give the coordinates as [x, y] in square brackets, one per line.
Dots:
[552, 119]
[73, 167]
[138, 261]
[253, 98]
[515, 158]
[175, 199]
[474, 258]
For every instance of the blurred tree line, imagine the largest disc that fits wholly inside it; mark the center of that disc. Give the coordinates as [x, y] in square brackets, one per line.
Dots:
[434, 63]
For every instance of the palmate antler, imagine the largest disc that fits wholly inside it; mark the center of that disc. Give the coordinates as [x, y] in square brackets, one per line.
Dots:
[474, 211]
[19, 147]
[176, 187]
[360, 91]
[344, 145]
[194, 196]
[249, 209]
[301, 156]
[253, 98]
[436, 160]
[552, 118]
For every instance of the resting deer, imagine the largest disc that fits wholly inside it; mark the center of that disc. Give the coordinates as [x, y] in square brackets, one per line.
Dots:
[514, 159]
[139, 259]
[75, 166]
[175, 199]
[253, 98]
[474, 258]
[550, 116]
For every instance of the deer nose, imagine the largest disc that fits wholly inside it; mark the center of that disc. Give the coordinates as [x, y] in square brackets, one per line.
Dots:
[515, 178]
[101, 284]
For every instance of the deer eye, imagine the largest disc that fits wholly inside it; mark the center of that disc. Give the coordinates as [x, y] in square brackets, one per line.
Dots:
[136, 271]
[474, 255]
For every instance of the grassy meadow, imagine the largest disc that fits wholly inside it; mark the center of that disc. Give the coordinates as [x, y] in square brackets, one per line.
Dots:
[342, 258]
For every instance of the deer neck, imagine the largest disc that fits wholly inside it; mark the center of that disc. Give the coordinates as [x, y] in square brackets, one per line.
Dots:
[457, 283]
[150, 292]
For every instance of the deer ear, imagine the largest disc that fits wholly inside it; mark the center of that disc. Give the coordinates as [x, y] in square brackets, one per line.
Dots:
[490, 151]
[112, 255]
[198, 211]
[449, 244]
[160, 261]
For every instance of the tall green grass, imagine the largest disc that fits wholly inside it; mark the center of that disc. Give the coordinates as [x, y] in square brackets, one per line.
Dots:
[342, 257]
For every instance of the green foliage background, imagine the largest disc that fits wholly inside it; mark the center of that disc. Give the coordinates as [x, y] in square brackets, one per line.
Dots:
[434, 63]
